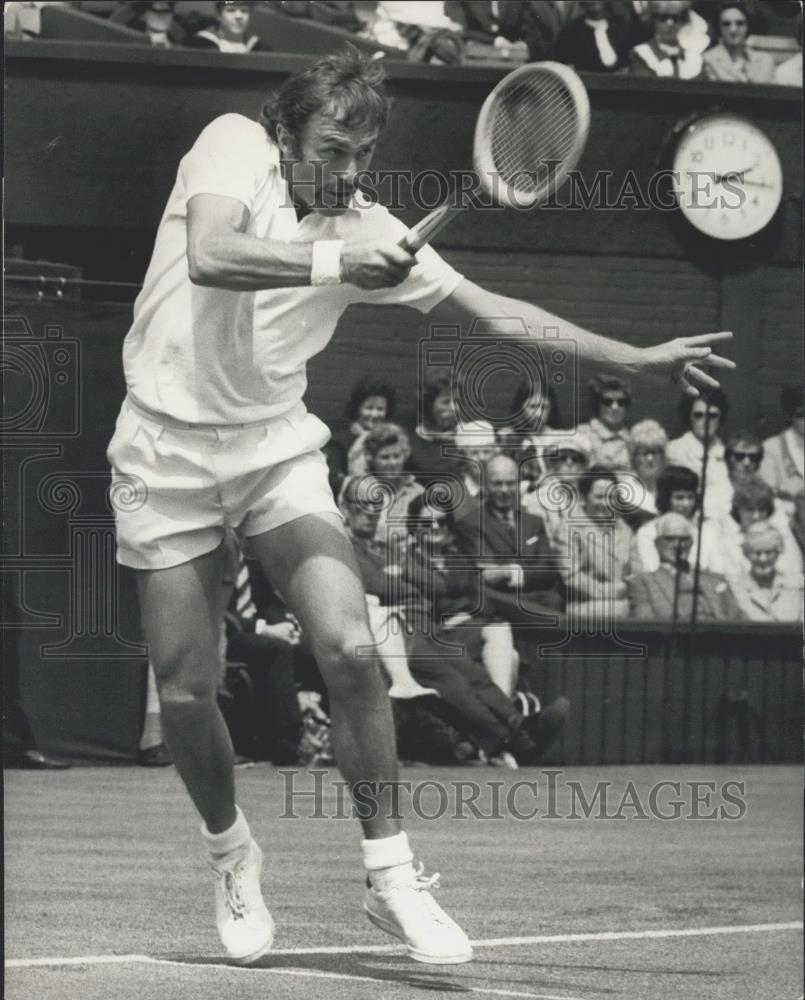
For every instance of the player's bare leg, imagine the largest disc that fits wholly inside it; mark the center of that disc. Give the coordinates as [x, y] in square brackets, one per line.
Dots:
[311, 563]
[181, 615]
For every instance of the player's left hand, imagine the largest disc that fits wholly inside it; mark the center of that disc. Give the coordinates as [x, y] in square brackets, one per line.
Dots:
[682, 360]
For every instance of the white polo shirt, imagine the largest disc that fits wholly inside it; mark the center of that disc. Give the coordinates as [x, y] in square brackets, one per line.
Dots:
[212, 356]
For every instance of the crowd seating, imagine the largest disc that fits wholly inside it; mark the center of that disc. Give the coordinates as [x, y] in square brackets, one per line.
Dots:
[659, 38]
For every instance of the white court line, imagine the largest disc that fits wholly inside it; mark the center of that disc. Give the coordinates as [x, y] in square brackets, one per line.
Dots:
[383, 949]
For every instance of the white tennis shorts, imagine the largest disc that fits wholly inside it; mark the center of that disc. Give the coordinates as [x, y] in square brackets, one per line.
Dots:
[177, 487]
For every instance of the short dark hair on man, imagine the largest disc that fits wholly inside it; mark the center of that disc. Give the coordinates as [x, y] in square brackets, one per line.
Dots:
[414, 514]
[673, 479]
[369, 386]
[592, 475]
[346, 85]
[600, 384]
[713, 397]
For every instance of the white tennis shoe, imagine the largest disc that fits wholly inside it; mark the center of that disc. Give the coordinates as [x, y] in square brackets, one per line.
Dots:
[244, 924]
[403, 907]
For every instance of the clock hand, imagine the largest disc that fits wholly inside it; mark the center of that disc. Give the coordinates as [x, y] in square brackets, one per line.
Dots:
[757, 184]
[734, 174]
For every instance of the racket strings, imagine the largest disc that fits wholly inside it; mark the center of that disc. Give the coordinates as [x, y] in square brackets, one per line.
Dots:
[534, 129]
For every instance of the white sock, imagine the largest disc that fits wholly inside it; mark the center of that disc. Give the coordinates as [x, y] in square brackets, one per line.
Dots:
[228, 840]
[388, 852]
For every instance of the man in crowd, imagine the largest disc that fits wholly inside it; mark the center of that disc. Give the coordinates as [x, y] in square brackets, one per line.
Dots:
[468, 698]
[666, 594]
[783, 465]
[665, 55]
[521, 583]
[763, 593]
[594, 42]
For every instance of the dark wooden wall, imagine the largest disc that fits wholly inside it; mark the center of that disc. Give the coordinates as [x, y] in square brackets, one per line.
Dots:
[94, 134]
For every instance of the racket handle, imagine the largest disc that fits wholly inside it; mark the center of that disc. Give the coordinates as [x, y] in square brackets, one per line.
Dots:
[433, 223]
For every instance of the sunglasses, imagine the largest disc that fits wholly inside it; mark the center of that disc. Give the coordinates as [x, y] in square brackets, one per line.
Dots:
[733, 24]
[570, 456]
[614, 401]
[701, 414]
[676, 18]
[746, 456]
[679, 539]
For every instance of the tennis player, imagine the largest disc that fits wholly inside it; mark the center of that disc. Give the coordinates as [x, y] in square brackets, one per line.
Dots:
[264, 243]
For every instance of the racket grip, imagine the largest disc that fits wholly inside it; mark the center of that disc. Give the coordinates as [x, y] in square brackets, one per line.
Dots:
[433, 223]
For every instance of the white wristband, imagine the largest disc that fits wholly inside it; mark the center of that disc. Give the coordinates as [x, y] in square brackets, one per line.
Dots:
[325, 268]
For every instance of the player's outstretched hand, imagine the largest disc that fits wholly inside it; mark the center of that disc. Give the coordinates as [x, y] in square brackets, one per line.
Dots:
[375, 264]
[682, 360]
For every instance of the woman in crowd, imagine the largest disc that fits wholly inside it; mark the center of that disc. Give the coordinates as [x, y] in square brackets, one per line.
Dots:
[753, 503]
[371, 402]
[386, 449]
[610, 400]
[600, 549]
[730, 59]
[534, 418]
[704, 416]
[435, 430]
[784, 453]
[647, 444]
[677, 493]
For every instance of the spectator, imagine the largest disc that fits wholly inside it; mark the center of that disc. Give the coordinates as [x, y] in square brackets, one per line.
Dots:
[387, 449]
[665, 55]
[763, 593]
[452, 591]
[595, 42]
[371, 402]
[525, 28]
[784, 453]
[434, 434]
[231, 33]
[520, 582]
[338, 13]
[752, 503]
[666, 594]
[704, 415]
[599, 554]
[156, 19]
[610, 400]
[647, 444]
[552, 499]
[420, 28]
[677, 493]
[534, 419]
[476, 443]
[467, 698]
[743, 454]
[730, 59]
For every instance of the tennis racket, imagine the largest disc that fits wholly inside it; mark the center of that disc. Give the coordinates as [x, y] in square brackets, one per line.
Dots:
[530, 133]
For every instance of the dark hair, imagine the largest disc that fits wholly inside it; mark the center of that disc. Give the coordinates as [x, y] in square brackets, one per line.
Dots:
[592, 475]
[414, 514]
[436, 382]
[713, 397]
[524, 392]
[220, 4]
[670, 480]
[743, 437]
[791, 398]
[600, 384]
[729, 5]
[381, 436]
[367, 387]
[752, 494]
[347, 85]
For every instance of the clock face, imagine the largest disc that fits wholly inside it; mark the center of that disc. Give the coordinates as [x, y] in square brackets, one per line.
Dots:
[729, 180]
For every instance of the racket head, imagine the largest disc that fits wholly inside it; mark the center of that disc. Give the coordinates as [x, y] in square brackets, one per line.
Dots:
[530, 133]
